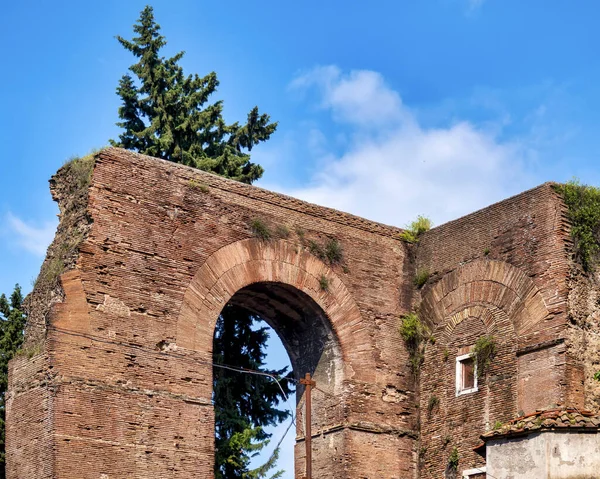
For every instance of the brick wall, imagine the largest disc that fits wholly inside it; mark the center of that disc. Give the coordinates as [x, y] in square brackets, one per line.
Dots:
[129, 346]
[121, 382]
[499, 272]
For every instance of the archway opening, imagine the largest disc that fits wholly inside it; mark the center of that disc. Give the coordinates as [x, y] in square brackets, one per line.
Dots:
[240, 398]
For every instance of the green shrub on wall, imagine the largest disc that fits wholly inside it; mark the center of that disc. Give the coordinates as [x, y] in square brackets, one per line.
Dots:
[415, 229]
[421, 277]
[483, 353]
[414, 333]
[583, 203]
[452, 466]
[260, 229]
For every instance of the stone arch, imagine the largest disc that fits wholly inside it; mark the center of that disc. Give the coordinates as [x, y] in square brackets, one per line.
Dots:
[511, 308]
[241, 264]
[494, 285]
[263, 276]
[483, 297]
[488, 314]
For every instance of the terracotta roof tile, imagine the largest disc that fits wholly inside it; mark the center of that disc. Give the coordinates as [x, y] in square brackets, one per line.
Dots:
[558, 418]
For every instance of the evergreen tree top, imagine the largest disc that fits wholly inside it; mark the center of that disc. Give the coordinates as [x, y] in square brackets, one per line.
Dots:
[167, 114]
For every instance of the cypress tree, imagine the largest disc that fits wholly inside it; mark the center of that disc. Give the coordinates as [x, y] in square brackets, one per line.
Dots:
[168, 115]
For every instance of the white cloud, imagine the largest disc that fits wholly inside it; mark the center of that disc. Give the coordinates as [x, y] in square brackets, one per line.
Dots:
[34, 239]
[360, 97]
[395, 173]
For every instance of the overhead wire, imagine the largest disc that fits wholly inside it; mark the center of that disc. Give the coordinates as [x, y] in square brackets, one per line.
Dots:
[206, 363]
[185, 357]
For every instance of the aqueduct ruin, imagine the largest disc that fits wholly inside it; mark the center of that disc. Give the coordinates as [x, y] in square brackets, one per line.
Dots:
[116, 379]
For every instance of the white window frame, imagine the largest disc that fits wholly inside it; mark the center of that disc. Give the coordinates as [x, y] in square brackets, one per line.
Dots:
[459, 379]
[473, 472]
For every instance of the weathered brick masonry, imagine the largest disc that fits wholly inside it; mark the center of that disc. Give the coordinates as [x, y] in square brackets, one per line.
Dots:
[118, 381]
[501, 271]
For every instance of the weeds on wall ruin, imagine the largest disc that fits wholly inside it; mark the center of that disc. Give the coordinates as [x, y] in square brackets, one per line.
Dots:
[421, 277]
[414, 333]
[197, 185]
[583, 212]
[260, 229]
[484, 351]
[415, 229]
[433, 404]
[324, 283]
[282, 231]
[452, 466]
[330, 252]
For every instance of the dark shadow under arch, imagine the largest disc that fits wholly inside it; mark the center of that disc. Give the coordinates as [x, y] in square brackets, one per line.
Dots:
[302, 326]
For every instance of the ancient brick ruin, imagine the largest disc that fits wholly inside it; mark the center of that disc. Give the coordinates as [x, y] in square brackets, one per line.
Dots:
[116, 378]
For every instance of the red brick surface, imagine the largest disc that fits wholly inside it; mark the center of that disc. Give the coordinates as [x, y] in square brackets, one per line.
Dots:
[500, 272]
[122, 384]
[131, 344]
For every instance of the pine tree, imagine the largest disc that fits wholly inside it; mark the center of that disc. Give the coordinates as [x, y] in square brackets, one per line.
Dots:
[168, 115]
[12, 324]
[244, 404]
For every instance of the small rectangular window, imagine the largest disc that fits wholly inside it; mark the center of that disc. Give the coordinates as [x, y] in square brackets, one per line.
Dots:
[466, 374]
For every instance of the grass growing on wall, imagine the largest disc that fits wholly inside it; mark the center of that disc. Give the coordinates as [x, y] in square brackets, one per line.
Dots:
[452, 466]
[433, 404]
[324, 283]
[483, 353]
[260, 229]
[330, 252]
[583, 203]
[414, 333]
[415, 229]
[421, 277]
[333, 251]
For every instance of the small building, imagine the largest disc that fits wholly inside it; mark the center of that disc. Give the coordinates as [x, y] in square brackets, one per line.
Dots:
[548, 444]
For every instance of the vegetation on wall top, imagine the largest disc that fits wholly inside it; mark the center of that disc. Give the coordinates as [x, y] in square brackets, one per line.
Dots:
[415, 229]
[583, 203]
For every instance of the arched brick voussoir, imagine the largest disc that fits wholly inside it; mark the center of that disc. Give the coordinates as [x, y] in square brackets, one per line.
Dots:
[245, 262]
[495, 283]
[490, 316]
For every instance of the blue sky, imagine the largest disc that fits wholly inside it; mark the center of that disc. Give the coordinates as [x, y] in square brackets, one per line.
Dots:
[386, 109]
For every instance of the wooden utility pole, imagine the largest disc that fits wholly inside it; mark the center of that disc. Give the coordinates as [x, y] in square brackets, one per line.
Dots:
[309, 383]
